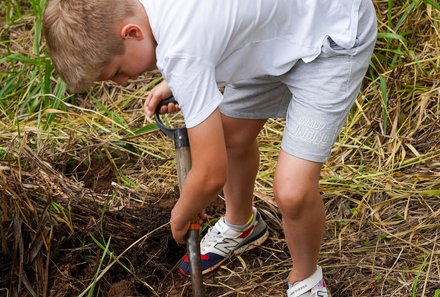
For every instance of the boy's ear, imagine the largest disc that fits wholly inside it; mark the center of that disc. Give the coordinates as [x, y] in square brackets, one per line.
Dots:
[132, 31]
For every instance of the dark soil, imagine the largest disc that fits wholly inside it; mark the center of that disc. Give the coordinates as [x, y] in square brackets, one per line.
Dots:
[76, 254]
[53, 245]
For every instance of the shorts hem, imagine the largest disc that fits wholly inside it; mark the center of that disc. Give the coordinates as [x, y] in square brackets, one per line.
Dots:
[305, 156]
[251, 116]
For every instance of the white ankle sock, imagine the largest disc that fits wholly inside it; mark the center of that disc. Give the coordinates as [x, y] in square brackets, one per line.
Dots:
[240, 227]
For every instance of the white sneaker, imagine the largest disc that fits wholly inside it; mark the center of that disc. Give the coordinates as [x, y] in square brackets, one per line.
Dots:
[313, 286]
[222, 241]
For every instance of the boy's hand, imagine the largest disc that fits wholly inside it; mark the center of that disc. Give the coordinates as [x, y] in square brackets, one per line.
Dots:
[159, 93]
[180, 229]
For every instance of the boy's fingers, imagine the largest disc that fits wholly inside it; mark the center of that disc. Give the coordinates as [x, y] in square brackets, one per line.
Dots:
[160, 92]
[179, 237]
[164, 109]
[151, 103]
[170, 108]
[173, 107]
[202, 215]
[181, 241]
[146, 106]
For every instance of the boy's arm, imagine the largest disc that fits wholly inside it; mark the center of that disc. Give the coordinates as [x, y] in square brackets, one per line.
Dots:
[209, 161]
[206, 177]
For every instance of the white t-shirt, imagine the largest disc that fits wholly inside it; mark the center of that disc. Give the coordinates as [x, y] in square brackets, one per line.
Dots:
[204, 44]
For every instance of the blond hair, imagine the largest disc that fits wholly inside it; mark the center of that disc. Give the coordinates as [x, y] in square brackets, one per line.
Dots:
[82, 37]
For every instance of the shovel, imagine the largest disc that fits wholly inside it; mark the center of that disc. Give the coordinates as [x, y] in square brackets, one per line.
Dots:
[183, 160]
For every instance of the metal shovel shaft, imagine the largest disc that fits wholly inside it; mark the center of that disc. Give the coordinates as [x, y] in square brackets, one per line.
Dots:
[183, 160]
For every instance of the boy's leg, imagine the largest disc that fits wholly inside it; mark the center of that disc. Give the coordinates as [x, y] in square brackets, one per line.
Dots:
[297, 194]
[323, 92]
[243, 228]
[245, 108]
[243, 163]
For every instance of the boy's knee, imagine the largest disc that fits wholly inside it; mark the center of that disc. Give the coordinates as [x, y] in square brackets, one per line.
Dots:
[292, 200]
[237, 143]
[240, 134]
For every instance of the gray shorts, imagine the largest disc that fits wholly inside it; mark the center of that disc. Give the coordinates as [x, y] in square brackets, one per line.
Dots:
[314, 97]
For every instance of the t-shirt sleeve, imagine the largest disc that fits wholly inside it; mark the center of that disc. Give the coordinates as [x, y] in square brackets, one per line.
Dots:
[192, 81]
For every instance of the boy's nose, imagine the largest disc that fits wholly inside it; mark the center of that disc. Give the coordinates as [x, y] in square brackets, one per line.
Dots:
[123, 81]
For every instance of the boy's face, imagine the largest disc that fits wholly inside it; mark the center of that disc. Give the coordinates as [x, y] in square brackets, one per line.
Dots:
[139, 57]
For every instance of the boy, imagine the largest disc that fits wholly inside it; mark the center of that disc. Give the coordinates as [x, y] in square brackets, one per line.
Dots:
[303, 60]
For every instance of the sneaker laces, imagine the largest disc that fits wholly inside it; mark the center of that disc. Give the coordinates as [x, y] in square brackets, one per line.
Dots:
[211, 237]
[217, 233]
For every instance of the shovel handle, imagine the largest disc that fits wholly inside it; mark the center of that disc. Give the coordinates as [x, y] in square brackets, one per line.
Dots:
[165, 129]
[183, 160]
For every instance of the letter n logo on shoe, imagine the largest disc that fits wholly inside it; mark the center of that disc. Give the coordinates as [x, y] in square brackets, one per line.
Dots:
[226, 246]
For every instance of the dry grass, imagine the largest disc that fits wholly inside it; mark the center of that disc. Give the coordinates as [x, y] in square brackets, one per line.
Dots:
[87, 183]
